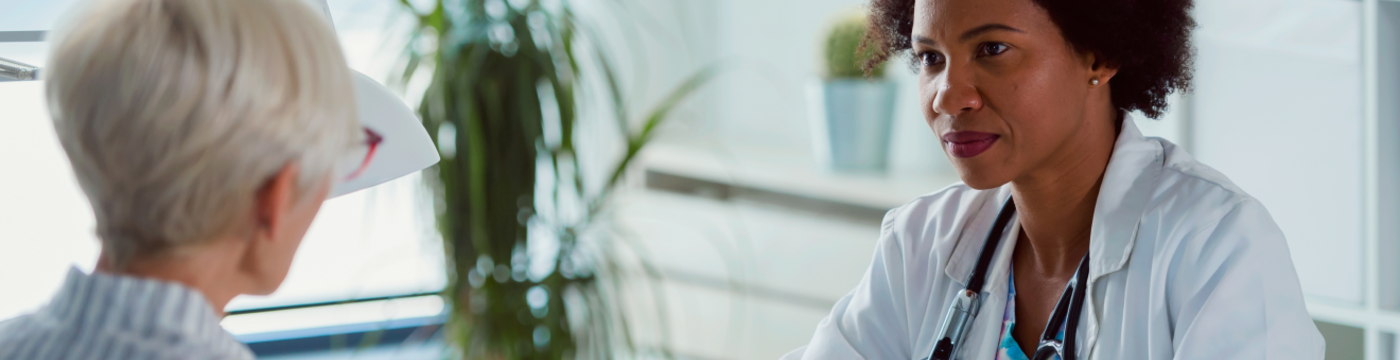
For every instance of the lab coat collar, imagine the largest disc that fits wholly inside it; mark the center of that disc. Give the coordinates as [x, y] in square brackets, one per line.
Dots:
[1127, 186]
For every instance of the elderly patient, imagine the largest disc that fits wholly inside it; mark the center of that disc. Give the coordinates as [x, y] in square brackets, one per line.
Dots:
[205, 134]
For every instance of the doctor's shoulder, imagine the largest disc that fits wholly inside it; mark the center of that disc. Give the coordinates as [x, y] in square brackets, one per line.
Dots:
[1191, 199]
[1194, 208]
[1209, 239]
[1202, 226]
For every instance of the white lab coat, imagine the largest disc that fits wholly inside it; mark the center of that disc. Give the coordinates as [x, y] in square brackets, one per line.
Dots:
[1183, 265]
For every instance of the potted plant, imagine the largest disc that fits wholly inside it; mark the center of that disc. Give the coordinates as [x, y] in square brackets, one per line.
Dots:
[851, 113]
[502, 104]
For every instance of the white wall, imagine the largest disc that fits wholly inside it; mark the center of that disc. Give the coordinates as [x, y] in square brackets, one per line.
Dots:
[1277, 108]
[771, 51]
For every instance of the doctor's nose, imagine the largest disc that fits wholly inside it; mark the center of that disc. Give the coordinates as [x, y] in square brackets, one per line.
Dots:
[955, 95]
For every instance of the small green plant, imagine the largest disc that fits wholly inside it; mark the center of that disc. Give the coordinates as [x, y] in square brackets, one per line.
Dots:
[844, 55]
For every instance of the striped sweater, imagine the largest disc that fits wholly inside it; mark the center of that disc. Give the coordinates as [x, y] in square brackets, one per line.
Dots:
[103, 316]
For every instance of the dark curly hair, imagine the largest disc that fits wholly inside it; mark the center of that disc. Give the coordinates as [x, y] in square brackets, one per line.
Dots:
[1149, 41]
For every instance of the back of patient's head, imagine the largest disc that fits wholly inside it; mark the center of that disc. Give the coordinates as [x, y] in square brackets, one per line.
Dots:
[175, 112]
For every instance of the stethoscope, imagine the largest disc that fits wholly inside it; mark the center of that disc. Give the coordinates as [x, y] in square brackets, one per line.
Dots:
[967, 302]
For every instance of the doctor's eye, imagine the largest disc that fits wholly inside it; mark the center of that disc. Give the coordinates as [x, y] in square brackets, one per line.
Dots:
[993, 49]
[928, 58]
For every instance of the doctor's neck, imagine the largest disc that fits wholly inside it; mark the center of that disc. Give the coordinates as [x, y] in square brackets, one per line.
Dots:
[1055, 203]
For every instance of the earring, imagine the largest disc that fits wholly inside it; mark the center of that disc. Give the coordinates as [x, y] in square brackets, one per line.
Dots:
[1094, 81]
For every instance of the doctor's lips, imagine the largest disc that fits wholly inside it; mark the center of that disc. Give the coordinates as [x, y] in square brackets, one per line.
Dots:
[966, 144]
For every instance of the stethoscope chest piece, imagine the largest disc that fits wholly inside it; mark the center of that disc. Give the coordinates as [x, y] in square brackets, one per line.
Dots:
[1048, 350]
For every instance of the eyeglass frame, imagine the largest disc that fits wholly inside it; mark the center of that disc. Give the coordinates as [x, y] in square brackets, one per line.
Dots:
[372, 141]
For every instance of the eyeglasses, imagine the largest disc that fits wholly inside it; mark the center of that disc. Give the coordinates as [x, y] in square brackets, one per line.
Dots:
[11, 70]
[355, 163]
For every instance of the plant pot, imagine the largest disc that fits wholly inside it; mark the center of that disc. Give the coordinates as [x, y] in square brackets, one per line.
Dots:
[850, 120]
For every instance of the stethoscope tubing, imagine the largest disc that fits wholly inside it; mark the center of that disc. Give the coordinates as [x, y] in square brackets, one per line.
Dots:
[1067, 312]
[963, 310]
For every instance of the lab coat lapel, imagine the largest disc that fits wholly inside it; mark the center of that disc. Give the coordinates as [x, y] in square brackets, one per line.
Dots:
[986, 328]
[974, 233]
[1127, 186]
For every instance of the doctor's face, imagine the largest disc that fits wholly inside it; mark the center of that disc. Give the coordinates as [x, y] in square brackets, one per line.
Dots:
[1001, 88]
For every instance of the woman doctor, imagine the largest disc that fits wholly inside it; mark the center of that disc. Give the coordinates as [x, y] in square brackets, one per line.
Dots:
[1109, 245]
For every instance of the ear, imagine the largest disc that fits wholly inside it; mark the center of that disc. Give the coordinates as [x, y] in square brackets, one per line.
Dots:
[1099, 67]
[274, 200]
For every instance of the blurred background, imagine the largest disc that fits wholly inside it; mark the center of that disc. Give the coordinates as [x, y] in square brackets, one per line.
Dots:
[696, 182]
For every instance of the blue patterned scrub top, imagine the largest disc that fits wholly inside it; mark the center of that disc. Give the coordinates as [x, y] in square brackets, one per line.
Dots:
[1008, 349]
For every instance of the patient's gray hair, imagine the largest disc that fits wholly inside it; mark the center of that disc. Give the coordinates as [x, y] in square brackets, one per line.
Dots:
[174, 113]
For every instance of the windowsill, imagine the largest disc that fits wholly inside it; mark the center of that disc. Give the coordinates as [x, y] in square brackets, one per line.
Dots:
[356, 323]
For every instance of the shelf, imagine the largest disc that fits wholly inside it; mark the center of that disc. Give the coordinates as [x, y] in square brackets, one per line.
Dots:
[765, 175]
[1353, 315]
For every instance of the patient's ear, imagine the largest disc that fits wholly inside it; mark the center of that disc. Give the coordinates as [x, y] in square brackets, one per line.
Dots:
[278, 222]
[273, 201]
